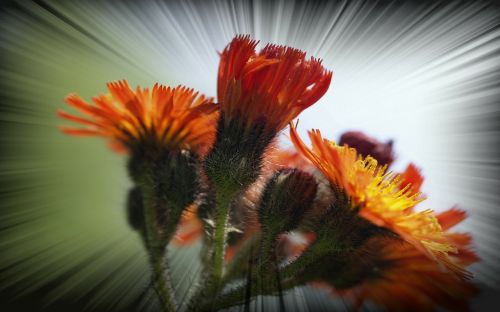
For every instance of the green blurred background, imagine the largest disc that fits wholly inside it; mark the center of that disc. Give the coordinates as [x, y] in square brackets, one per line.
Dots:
[64, 230]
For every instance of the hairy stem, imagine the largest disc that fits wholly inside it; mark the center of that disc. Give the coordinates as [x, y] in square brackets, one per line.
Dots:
[220, 234]
[162, 283]
[155, 248]
[208, 290]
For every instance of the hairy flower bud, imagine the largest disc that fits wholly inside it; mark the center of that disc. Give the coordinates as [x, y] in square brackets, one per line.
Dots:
[171, 181]
[259, 93]
[285, 200]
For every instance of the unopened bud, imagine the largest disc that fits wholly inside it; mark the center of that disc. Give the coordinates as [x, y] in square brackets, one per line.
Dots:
[168, 181]
[368, 146]
[285, 200]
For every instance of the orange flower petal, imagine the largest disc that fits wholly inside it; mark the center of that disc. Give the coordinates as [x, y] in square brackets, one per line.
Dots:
[412, 176]
[451, 217]
[176, 118]
[275, 84]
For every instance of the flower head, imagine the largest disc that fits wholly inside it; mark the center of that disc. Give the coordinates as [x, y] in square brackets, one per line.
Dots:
[172, 118]
[379, 196]
[273, 85]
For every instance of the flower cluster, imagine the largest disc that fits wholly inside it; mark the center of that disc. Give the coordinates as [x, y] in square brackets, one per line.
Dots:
[330, 215]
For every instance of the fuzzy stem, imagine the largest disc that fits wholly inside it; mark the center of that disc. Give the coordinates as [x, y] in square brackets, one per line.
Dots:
[223, 200]
[210, 287]
[155, 248]
[162, 282]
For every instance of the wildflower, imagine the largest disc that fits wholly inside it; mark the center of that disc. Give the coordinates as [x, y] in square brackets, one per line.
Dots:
[165, 131]
[379, 196]
[164, 117]
[272, 86]
[258, 94]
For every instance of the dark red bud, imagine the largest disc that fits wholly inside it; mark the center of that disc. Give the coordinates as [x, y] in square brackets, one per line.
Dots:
[368, 146]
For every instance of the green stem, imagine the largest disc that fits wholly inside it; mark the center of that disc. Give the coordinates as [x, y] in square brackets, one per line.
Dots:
[220, 234]
[155, 248]
[262, 275]
[207, 291]
[162, 282]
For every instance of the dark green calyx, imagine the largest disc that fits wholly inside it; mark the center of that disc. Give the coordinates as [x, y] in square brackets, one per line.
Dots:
[167, 182]
[286, 198]
[348, 269]
[339, 227]
[178, 178]
[341, 239]
[236, 157]
[173, 173]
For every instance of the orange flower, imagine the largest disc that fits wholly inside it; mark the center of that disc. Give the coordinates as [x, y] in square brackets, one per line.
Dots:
[274, 85]
[403, 279]
[379, 196]
[172, 118]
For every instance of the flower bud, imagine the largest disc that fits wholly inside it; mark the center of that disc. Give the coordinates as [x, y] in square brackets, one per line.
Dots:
[168, 180]
[368, 146]
[177, 178]
[285, 200]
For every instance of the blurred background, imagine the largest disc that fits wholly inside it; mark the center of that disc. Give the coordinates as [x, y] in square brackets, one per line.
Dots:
[425, 74]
